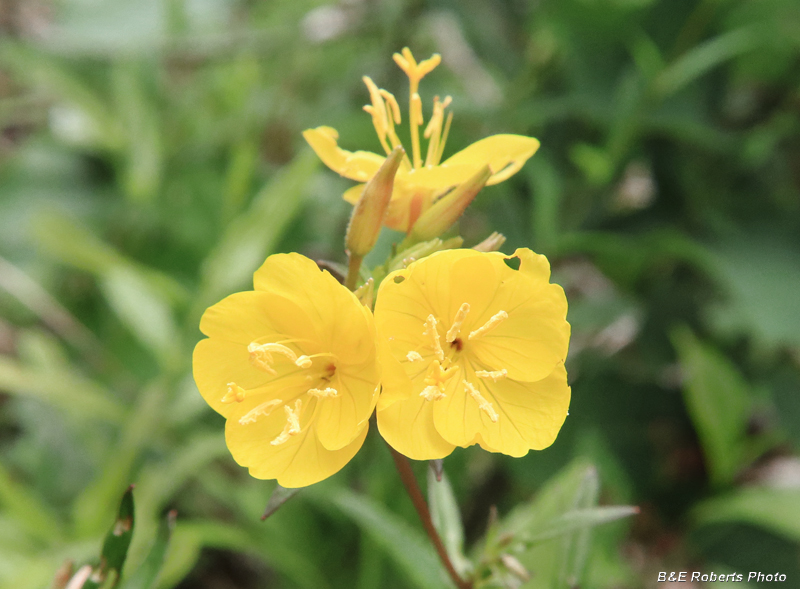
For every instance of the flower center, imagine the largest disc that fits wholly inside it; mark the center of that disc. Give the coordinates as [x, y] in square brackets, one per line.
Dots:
[262, 357]
[443, 367]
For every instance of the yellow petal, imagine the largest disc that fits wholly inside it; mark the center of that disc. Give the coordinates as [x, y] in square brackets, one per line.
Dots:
[505, 155]
[395, 383]
[530, 414]
[341, 418]
[240, 317]
[299, 462]
[342, 325]
[407, 426]
[535, 336]
[216, 363]
[358, 165]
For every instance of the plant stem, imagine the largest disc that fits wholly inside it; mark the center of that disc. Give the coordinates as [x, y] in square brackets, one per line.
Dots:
[353, 266]
[410, 483]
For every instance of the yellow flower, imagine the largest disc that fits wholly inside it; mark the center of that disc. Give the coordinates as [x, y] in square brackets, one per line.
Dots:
[418, 183]
[292, 367]
[472, 353]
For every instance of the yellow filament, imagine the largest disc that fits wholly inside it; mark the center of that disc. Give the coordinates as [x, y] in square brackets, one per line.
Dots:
[442, 142]
[496, 320]
[483, 404]
[495, 375]
[415, 120]
[413, 356]
[323, 393]
[292, 426]
[432, 393]
[433, 334]
[433, 132]
[461, 314]
[233, 393]
[263, 409]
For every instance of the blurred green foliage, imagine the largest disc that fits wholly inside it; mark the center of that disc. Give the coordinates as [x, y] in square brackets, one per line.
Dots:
[151, 158]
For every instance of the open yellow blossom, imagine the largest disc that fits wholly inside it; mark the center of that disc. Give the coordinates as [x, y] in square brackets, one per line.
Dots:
[292, 367]
[473, 353]
[418, 182]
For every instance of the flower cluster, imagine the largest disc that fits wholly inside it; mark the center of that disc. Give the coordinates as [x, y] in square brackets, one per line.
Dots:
[463, 346]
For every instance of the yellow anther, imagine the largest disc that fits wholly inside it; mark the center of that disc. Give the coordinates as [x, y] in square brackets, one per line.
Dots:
[392, 106]
[323, 393]
[495, 375]
[413, 356]
[263, 409]
[432, 393]
[433, 132]
[496, 320]
[461, 314]
[433, 334]
[233, 393]
[303, 362]
[261, 359]
[483, 404]
[292, 426]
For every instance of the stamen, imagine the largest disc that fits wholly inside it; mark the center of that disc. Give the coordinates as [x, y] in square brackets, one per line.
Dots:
[444, 137]
[261, 355]
[496, 320]
[461, 314]
[323, 393]
[494, 375]
[233, 393]
[263, 409]
[378, 111]
[292, 426]
[261, 359]
[415, 120]
[433, 334]
[433, 132]
[483, 404]
[413, 356]
[303, 362]
[432, 393]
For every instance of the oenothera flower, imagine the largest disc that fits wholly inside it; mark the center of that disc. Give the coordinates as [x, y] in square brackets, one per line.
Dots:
[292, 367]
[473, 353]
[418, 182]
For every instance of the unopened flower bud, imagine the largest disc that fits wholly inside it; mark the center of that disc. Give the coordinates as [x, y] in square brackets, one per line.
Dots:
[447, 210]
[368, 214]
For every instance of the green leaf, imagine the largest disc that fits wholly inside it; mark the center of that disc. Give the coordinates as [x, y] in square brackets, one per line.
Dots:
[28, 512]
[115, 546]
[252, 236]
[447, 520]
[280, 495]
[146, 575]
[408, 548]
[718, 401]
[83, 398]
[776, 510]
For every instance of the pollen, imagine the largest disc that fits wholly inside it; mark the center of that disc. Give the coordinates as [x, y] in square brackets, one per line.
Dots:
[461, 314]
[495, 375]
[496, 320]
[432, 393]
[261, 356]
[303, 362]
[292, 427]
[483, 404]
[323, 393]
[433, 333]
[413, 356]
[233, 393]
[261, 410]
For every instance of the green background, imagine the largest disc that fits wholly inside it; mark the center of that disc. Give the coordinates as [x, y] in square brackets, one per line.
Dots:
[151, 157]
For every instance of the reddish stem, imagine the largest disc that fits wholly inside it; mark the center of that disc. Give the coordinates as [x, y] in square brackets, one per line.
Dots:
[410, 483]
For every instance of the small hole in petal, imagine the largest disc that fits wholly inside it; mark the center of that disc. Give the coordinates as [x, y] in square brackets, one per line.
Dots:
[512, 263]
[399, 279]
